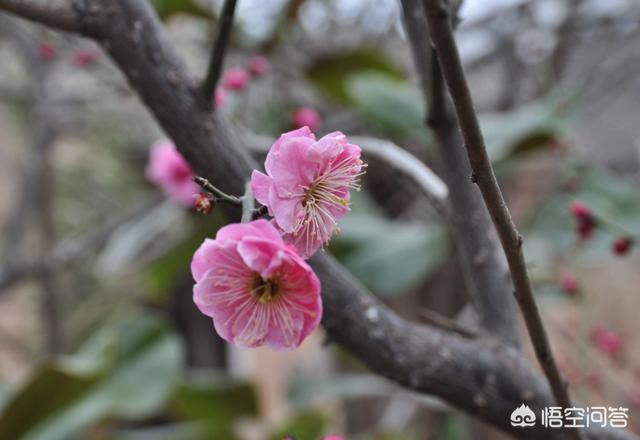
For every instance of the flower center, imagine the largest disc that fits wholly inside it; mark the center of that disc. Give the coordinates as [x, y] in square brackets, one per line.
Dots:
[264, 290]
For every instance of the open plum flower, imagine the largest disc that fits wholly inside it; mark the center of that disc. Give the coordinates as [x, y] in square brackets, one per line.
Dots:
[256, 288]
[307, 185]
[169, 170]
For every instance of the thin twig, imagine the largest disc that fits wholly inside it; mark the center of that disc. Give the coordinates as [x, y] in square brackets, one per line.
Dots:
[232, 200]
[445, 323]
[438, 18]
[220, 195]
[217, 55]
[58, 16]
[69, 251]
[486, 277]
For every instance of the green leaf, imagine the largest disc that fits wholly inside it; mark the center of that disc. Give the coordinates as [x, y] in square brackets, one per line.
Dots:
[126, 370]
[389, 105]
[162, 273]
[167, 8]
[304, 426]
[388, 256]
[521, 130]
[216, 400]
[329, 74]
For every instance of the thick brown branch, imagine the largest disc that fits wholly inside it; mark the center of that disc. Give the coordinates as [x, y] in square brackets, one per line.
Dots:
[442, 36]
[53, 14]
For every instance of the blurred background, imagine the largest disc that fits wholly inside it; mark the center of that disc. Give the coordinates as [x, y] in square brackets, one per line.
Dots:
[99, 338]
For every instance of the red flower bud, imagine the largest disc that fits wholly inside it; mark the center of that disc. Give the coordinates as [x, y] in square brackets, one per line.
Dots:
[580, 210]
[204, 203]
[569, 285]
[622, 245]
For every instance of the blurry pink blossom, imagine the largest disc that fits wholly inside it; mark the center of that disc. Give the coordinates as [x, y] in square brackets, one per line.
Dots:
[256, 288]
[306, 116]
[48, 50]
[259, 65]
[220, 97]
[171, 172]
[569, 284]
[333, 437]
[306, 188]
[608, 342]
[84, 57]
[236, 78]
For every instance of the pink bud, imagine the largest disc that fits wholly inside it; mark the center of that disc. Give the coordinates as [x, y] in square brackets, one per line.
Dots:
[259, 65]
[569, 285]
[608, 342]
[586, 222]
[48, 50]
[622, 245]
[220, 97]
[580, 209]
[236, 78]
[84, 57]
[306, 116]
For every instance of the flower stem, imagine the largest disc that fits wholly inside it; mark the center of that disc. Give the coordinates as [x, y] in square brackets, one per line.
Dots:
[220, 195]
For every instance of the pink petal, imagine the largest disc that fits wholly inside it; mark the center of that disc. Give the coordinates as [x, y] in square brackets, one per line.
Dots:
[260, 185]
[262, 256]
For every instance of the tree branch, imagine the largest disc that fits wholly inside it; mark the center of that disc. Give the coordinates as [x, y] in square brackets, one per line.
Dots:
[217, 55]
[486, 275]
[480, 376]
[68, 252]
[52, 14]
[438, 18]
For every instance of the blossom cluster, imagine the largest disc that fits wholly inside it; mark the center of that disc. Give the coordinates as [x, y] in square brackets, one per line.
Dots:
[252, 279]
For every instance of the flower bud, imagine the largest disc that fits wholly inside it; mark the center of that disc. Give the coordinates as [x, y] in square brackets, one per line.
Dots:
[259, 66]
[204, 203]
[236, 78]
[622, 245]
[306, 116]
[569, 285]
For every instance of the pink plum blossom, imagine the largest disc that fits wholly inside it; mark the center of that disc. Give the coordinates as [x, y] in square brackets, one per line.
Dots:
[306, 116]
[171, 173]
[256, 288]
[236, 78]
[220, 97]
[306, 188]
[259, 65]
